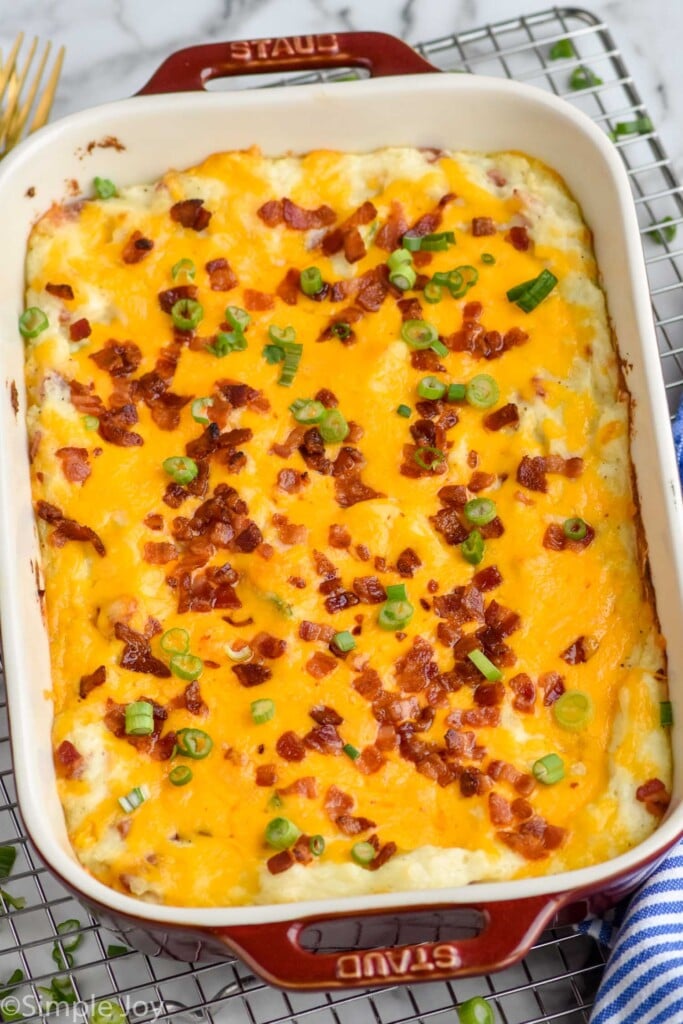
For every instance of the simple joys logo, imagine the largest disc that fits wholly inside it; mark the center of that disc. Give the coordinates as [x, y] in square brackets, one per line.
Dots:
[85, 1011]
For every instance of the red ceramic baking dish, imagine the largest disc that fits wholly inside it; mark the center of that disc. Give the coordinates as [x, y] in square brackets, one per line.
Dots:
[405, 102]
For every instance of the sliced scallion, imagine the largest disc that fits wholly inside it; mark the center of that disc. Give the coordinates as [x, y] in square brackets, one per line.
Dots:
[281, 833]
[548, 769]
[69, 927]
[573, 710]
[134, 799]
[456, 392]
[480, 511]
[91, 422]
[583, 78]
[344, 641]
[431, 388]
[183, 268]
[665, 233]
[405, 411]
[475, 1011]
[198, 410]
[33, 322]
[472, 548]
[242, 655]
[394, 615]
[419, 334]
[187, 314]
[432, 292]
[437, 242]
[180, 775]
[428, 457]
[175, 641]
[482, 391]
[186, 666]
[486, 667]
[8, 855]
[311, 281]
[333, 426]
[139, 718]
[262, 710]
[363, 853]
[530, 294]
[666, 714]
[563, 49]
[316, 845]
[574, 528]
[194, 743]
[107, 1011]
[351, 751]
[181, 469]
[488, 258]
[104, 188]
[306, 410]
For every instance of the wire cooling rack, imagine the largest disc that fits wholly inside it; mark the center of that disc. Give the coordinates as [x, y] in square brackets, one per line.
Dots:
[557, 981]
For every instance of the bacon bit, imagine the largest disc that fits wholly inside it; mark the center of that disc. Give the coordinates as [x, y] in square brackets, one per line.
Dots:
[191, 213]
[368, 684]
[80, 329]
[137, 653]
[118, 358]
[518, 238]
[506, 416]
[487, 579]
[114, 426]
[271, 212]
[475, 718]
[336, 802]
[407, 562]
[252, 674]
[136, 248]
[500, 811]
[370, 760]
[488, 695]
[655, 797]
[447, 523]
[84, 399]
[290, 747]
[525, 693]
[75, 464]
[347, 236]
[534, 838]
[482, 226]
[257, 302]
[338, 536]
[416, 668]
[169, 297]
[89, 682]
[306, 786]
[315, 631]
[290, 480]
[159, 554]
[429, 222]
[324, 739]
[479, 481]
[68, 762]
[60, 291]
[266, 775]
[531, 473]
[288, 289]
[67, 529]
[353, 826]
[385, 853]
[522, 782]
[154, 521]
[324, 715]
[583, 648]
[320, 665]
[369, 590]
[222, 278]
[350, 490]
[374, 288]
[389, 234]
[280, 862]
[555, 540]
[192, 700]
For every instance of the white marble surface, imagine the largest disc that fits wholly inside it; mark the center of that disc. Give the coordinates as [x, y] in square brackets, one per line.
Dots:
[114, 45]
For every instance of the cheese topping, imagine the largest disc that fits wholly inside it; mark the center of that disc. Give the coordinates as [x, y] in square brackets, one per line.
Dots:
[348, 581]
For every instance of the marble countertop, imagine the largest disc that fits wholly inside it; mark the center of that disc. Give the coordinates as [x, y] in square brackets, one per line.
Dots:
[113, 46]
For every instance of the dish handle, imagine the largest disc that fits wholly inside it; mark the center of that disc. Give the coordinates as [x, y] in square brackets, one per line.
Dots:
[190, 69]
[274, 950]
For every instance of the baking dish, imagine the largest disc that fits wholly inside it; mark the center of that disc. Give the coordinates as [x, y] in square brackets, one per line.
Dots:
[436, 110]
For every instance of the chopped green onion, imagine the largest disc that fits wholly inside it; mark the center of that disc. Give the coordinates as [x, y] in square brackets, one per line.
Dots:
[486, 667]
[475, 1011]
[273, 354]
[548, 769]
[316, 845]
[186, 314]
[306, 410]
[482, 391]
[64, 961]
[15, 978]
[530, 294]
[575, 528]
[106, 1011]
[398, 259]
[282, 606]
[293, 352]
[91, 422]
[432, 292]
[428, 457]
[237, 317]
[194, 743]
[487, 257]
[404, 278]
[453, 280]
[394, 615]
[363, 853]
[351, 751]
[341, 330]
[183, 267]
[456, 392]
[333, 426]
[281, 833]
[131, 801]
[397, 592]
[431, 388]
[180, 775]
[60, 992]
[33, 322]
[573, 710]
[439, 348]
[243, 654]
[14, 902]
[262, 710]
[562, 49]
[344, 641]
[114, 950]
[480, 511]
[664, 234]
[641, 126]
[583, 78]
[181, 469]
[666, 713]
[438, 242]
[469, 274]
[139, 718]
[104, 188]
[8, 855]
[226, 342]
[404, 410]
[68, 928]
[419, 334]
[186, 666]
[280, 335]
[198, 409]
[311, 281]
[175, 641]
[275, 801]
[472, 548]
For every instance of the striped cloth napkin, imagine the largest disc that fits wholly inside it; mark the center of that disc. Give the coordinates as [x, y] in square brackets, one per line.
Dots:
[643, 980]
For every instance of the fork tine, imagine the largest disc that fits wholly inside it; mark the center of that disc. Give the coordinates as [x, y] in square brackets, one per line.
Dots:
[21, 114]
[13, 102]
[6, 71]
[46, 100]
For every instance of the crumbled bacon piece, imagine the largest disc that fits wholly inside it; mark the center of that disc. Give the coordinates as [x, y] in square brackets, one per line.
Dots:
[67, 529]
[518, 238]
[266, 775]
[137, 653]
[534, 838]
[222, 278]
[429, 222]
[352, 825]
[320, 665]
[290, 480]
[159, 553]
[271, 213]
[525, 693]
[447, 523]
[268, 646]
[552, 685]
[290, 747]
[90, 681]
[475, 718]
[114, 426]
[417, 667]
[315, 631]
[411, 310]
[506, 416]
[60, 291]
[346, 235]
[390, 233]
[370, 760]
[500, 811]
[368, 684]
[191, 213]
[324, 739]
[324, 715]
[306, 786]
[408, 562]
[75, 464]
[655, 797]
[488, 695]
[350, 489]
[80, 329]
[336, 803]
[168, 298]
[369, 589]
[252, 674]
[191, 700]
[482, 226]
[531, 473]
[118, 358]
[257, 302]
[385, 853]
[578, 652]
[338, 536]
[136, 248]
[68, 762]
[554, 539]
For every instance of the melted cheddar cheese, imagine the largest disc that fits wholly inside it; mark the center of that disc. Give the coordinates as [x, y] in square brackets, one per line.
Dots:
[202, 843]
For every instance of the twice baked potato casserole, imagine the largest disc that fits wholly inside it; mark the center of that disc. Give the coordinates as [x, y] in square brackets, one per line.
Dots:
[345, 583]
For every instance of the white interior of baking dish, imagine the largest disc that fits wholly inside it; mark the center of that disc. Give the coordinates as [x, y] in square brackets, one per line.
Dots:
[458, 112]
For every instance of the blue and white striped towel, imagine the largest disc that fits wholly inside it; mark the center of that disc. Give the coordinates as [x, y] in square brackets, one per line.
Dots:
[643, 980]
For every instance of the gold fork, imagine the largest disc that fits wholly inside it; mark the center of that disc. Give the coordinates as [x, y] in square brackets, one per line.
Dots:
[15, 111]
